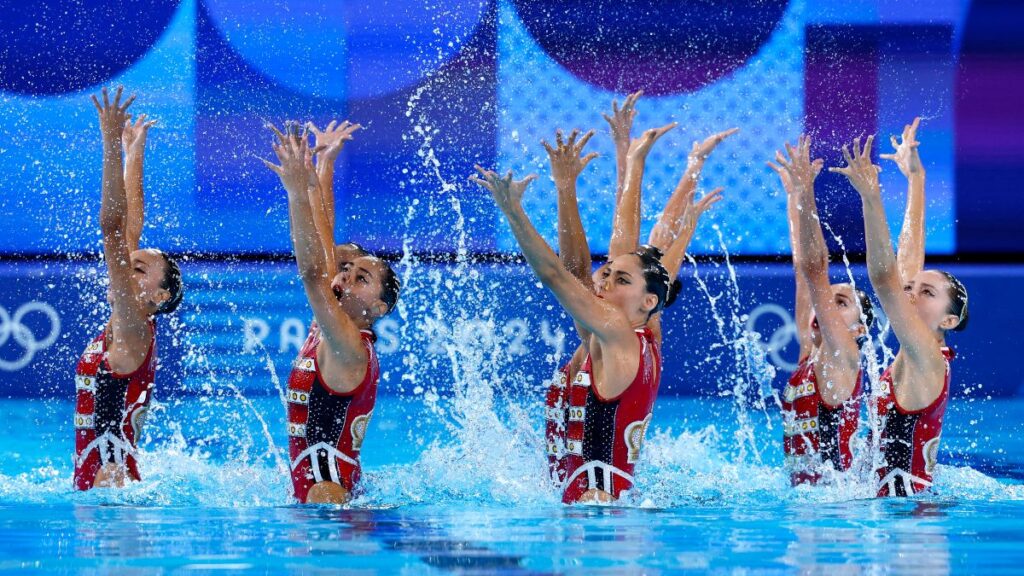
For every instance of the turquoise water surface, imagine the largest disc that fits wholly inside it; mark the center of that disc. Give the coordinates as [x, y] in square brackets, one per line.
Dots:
[457, 486]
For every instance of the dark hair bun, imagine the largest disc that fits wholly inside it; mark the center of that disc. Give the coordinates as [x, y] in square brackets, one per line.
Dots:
[651, 251]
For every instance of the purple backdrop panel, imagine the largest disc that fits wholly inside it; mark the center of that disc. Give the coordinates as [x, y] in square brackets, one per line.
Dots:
[990, 128]
[862, 80]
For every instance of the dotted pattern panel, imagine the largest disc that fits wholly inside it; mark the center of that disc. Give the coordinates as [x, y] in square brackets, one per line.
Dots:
[764, 98]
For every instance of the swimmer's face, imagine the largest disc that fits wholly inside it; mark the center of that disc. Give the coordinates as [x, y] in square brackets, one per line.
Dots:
[148, 270]
[621, 282]
[929, 293]
[848, 304]
[358, 287]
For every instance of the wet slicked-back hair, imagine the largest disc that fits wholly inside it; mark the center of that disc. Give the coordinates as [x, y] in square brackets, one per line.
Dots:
[867, 308]
[354, 248]
[673, 292]
[390, 286]
[656, 277]
[173, 284]
[957, 300]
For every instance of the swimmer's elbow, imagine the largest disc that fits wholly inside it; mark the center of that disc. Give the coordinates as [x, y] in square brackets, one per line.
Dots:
[311, 272]
[111, 222]
[882, 273]
[547, 273]
[812, 264]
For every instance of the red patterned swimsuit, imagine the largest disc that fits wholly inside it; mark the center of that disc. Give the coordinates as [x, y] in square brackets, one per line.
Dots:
[594, 442]
[813, 432]
[909, 438]
[109, 410]
[326, 428]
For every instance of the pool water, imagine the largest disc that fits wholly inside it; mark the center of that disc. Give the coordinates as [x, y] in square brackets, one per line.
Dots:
[452, 487]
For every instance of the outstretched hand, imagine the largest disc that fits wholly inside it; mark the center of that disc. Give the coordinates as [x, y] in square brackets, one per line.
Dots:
[798, 172]
[863, 175]
[292, 150]
[621, 120]
[697, 209]
[665, 233]
[566, 163]
[640, 147]
[133, 135]
[330, 140]
[701, 150]
[507, 193]
[906, 155]
[113, 115]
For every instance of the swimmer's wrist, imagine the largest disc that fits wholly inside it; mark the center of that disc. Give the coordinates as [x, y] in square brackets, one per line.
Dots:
[514, 211]
[565, 183]
[872, 197]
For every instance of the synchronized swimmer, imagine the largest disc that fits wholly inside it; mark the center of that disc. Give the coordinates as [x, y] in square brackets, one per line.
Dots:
[115, 375]
[600, 403]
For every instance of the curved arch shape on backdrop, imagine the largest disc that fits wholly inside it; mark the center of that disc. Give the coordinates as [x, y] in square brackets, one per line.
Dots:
[662, 47]
[345, 50]
[53, 48]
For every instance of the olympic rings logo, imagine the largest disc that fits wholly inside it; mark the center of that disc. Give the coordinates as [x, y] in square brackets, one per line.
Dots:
[12, 327]
[780, 339]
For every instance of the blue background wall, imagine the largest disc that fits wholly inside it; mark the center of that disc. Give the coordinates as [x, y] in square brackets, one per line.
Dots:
[458, 82]
[443, 86]
[494, 324]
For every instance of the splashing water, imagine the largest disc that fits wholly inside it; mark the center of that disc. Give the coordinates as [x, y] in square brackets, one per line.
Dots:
[475, 436]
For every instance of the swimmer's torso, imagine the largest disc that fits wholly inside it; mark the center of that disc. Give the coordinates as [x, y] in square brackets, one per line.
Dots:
[603, 436]
[326, 428]
[909, 442]
[814, 433]
[109, 410]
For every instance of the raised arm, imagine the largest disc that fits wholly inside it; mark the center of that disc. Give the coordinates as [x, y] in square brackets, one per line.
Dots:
[133, 141]
[668, 227]
[802, 310]
[621, 124]
[566, 165]
[910, 250]
[626, 221]
[299, 178]
[128, 321]
[329, 143]
[839, 348]
[915, 338]
[682, 233]
[595, 315]
[682, 230]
